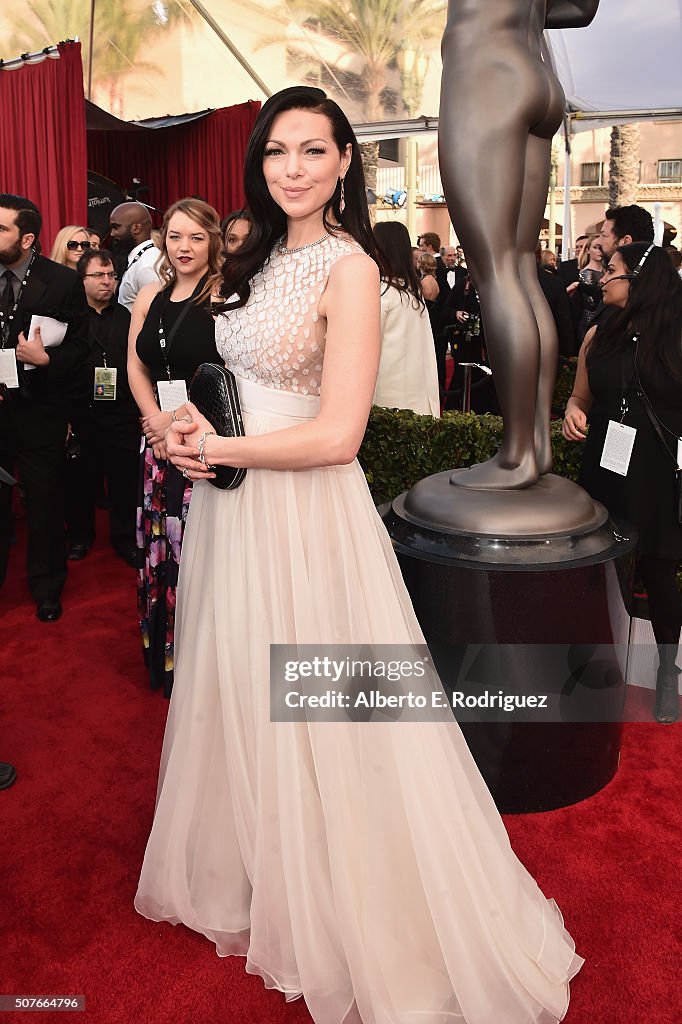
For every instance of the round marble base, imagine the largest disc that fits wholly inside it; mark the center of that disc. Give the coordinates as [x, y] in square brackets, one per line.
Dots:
[553, 521]
[499, 580]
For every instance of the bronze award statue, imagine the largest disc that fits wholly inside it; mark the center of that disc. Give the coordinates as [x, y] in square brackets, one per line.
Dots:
[506, 560]
[500, 107]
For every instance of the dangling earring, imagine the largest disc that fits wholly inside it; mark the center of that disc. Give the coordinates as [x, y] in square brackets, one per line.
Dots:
[342, 200]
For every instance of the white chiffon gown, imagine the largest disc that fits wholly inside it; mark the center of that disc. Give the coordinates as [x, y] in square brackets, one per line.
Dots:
[363, 866]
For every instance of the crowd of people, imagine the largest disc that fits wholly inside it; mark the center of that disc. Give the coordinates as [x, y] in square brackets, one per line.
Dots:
[76, 416]
[311, 849]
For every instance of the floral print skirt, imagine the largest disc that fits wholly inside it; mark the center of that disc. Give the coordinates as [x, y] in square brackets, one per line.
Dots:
[163, 504]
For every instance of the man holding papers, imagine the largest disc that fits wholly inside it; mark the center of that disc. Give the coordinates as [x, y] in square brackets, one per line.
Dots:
[33, 385]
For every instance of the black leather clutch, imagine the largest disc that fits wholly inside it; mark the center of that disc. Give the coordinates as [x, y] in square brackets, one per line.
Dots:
[213, 390]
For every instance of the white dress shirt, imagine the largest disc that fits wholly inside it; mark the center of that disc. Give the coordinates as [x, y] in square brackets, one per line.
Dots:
[408, 375]
[140, 272]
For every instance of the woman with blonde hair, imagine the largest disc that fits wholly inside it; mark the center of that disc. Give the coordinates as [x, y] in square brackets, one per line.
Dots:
[591, 271]
[69, 245]
[426, 265]
[171, 333]
[548, 260]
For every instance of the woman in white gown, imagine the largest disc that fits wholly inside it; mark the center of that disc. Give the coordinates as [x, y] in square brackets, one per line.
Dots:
[361, 865]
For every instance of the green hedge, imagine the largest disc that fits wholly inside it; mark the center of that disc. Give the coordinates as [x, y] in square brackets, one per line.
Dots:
[401, 447]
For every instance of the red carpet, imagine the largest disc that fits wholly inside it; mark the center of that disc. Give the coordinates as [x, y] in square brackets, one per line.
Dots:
[85, 733]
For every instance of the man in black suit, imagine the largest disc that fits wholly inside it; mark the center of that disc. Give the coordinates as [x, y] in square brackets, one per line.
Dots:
[453, 271]
[451, 275]
[430, 243]
[554, 291]
[568, 270]
[105, 419]
[33, 417]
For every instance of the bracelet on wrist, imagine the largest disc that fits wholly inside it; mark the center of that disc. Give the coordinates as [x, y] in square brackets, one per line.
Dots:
[202, 444]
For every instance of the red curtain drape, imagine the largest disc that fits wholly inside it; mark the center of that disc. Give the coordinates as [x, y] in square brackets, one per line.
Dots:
[42, 138]
[203, 157]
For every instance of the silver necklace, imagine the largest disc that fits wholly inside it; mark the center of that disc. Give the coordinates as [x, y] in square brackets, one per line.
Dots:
[287, 252]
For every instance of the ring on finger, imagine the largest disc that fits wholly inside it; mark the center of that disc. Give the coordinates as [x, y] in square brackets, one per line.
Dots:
[185, 473]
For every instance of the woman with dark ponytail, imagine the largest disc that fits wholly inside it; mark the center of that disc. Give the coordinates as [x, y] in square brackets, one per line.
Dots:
[630, 371]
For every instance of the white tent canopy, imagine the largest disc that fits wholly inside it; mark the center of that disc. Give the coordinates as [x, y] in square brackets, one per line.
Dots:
[625, 66]
[627, 60]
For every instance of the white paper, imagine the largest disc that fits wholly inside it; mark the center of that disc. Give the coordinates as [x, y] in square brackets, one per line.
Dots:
[618, 445]
[51, 333]
[679, 453]
[8, 368]
[172, 394]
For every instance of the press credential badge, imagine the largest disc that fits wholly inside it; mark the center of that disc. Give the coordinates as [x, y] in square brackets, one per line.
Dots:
[172, 393]
[8, 368]
[104, 389]
[618, 445]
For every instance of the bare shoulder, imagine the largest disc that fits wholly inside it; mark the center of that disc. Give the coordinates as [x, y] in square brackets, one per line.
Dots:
[355, 267]
[353, 278]
[145, 297]
[588, 339]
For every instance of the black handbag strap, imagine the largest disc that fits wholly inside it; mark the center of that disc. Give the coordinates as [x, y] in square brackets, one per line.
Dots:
[167, 341]
[655, 422]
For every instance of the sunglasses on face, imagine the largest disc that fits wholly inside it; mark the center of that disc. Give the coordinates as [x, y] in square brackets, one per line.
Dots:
[73, 245]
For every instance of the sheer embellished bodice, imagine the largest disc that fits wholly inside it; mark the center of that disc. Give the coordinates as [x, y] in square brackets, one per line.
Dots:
[277, 339]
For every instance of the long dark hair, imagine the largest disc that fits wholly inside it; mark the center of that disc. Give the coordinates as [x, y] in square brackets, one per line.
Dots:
[393, 240]
[269, 220]
[653, 311]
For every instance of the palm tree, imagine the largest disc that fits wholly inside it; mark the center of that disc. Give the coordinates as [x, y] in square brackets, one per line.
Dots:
[374, 31]
[121, 31]
[624, 165]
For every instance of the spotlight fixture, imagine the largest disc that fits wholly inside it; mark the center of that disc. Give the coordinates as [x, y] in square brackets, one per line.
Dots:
[396, 197]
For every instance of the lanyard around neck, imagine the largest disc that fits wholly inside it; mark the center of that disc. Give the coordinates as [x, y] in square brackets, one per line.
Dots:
[166, 342]
[149, 245]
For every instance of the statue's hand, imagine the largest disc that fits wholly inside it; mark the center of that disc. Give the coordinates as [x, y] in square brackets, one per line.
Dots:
[570, 13]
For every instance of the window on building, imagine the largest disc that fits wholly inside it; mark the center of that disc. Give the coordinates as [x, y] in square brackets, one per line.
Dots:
[592, 174]
[669, 172]
[388, 150]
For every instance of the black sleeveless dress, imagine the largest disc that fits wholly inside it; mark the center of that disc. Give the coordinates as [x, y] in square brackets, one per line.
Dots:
[646, 496]
[164, 494]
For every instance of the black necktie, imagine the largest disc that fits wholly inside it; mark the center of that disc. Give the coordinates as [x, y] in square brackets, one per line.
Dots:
[7, 300]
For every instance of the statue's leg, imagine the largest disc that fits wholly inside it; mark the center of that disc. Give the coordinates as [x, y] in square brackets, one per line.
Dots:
[538, 156]
[483, 162]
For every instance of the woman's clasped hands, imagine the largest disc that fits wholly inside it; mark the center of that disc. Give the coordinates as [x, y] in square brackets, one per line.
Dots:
[182, 444]
[154, 428]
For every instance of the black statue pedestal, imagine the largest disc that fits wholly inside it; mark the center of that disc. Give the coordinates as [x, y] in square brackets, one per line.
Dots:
[512, 585]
